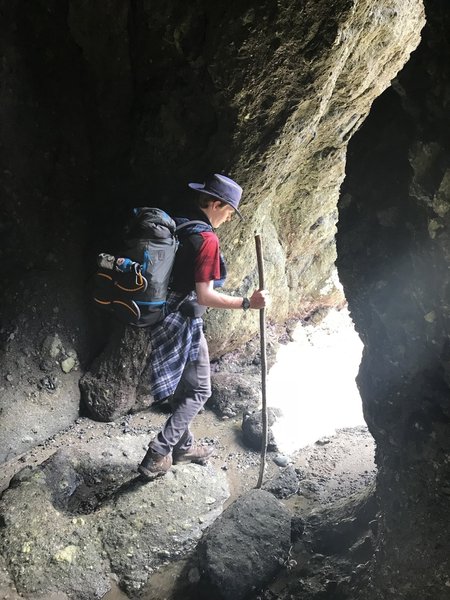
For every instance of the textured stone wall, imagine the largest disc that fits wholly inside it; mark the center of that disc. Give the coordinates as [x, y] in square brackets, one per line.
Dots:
[116, 104]
[276, 112]
[393, 248]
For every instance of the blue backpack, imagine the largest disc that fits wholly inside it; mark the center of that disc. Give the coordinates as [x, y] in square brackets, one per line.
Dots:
[134, 285]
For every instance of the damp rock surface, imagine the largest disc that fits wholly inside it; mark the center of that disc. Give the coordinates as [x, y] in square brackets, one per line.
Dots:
[91, 488]
[165, 520]
[233, 393]
[245, 547]
[252, 428]
[78, 520]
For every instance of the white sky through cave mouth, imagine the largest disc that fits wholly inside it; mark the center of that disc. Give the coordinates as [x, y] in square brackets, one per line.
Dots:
[313, 382]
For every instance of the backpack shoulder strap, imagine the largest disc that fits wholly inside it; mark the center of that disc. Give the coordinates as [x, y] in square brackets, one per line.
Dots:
[187, 223]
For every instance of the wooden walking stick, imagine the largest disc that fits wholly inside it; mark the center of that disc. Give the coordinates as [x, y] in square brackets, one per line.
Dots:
[262, 332]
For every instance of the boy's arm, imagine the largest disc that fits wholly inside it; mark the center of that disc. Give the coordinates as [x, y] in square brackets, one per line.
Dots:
[208, 296]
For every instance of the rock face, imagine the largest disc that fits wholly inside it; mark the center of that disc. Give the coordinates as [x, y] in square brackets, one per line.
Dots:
[245, 547]
[111, 387]
[278, 118]
[393, 248]
[79, 519]
[233, 394]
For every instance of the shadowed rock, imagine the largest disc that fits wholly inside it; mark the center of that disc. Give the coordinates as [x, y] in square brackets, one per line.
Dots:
[252, 428]
[81, 518]
[233, 394]
[284, 484]
[110, 388]
[394, 257]
[245, 547]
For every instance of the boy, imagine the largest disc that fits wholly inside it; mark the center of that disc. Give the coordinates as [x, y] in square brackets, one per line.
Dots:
[180, 357]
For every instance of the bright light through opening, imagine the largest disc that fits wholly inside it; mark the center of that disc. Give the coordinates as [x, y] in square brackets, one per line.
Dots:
[313, 382]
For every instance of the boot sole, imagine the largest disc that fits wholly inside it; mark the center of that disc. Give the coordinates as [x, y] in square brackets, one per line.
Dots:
[197, 461]
[149, 475]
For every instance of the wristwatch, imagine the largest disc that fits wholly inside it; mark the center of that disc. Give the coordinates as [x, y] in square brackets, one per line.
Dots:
[245, 303]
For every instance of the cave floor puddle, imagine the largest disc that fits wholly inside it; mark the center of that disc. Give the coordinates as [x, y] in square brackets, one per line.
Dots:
[313, 382]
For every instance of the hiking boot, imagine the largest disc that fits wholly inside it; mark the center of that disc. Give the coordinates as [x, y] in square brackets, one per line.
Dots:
[154, 464]
[196, 454]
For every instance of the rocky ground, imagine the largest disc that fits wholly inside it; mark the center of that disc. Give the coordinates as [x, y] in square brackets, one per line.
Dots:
[313, 483]
[316, 477]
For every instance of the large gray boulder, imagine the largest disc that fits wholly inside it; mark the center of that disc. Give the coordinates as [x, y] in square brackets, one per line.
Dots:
[113, 386]
[79, 520]
[245, 547]
[234, 394]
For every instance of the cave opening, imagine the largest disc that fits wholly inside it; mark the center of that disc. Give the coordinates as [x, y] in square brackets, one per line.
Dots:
[313, 384]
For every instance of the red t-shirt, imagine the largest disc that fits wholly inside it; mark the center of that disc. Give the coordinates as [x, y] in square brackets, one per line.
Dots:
[207, 261]
[197, 260]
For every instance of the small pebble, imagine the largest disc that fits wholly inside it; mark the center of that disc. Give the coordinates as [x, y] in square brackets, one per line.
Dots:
[323, 441]
[281, 461]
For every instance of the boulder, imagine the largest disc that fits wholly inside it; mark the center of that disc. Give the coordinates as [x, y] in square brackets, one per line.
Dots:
[233, 394]
[80, 519]
[252, 428]
[112, 386]
[245, 547]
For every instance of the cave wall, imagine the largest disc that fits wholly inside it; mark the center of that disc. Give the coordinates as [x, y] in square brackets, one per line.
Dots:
[393, 259]
[116, 104]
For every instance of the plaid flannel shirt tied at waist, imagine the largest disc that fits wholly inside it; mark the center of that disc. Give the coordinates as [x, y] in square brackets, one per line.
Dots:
[175, 341]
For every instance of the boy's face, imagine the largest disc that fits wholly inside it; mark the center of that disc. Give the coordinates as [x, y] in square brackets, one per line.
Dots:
[220, 213]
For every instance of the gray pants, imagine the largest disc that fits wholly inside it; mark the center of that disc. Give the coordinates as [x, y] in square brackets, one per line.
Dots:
[191, 394]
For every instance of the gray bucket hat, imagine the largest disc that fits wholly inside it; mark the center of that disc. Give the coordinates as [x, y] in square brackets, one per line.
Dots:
[221, 187]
